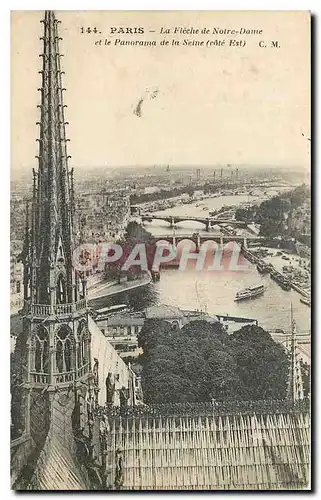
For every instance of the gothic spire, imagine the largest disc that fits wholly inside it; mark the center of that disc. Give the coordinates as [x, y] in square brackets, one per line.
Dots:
[295, 384]
[52, 196]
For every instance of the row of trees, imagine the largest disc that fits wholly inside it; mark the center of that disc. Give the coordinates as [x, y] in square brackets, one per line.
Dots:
[201, 362]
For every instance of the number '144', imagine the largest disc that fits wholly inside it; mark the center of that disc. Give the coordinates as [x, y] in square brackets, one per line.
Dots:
[89, 30]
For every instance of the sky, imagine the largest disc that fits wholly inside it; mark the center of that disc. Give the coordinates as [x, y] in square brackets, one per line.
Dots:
[214, 105]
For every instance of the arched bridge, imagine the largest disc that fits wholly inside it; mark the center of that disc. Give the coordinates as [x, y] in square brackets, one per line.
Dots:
[207, 221]
[198, 239]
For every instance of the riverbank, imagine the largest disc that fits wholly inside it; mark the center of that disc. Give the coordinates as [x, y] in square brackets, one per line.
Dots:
[106, 289]
[258, 193]
[290, 265]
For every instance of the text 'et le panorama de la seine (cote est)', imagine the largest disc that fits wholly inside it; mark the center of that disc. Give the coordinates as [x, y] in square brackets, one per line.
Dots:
[115, 31]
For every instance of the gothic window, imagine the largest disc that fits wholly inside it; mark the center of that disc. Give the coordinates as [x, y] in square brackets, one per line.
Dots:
[64, 348]
[41, 342]
[83, 345]
[61, 291]
[68, 355]
[38, 356]
[59, 356]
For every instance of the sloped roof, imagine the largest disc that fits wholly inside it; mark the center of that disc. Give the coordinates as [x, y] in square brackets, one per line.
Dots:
[57, 467]
[122, 320]
[236, 452]
[163, 312]
[56, 470]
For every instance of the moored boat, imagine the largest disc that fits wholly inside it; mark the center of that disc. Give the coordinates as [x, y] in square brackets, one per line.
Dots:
[263, 267]
[282, 280]
[306, 301]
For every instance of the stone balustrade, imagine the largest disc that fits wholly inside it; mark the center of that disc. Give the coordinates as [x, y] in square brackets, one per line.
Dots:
[58, 309]
[39, 378]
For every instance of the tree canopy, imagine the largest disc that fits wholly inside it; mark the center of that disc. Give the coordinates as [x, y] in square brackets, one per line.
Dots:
[272, 214]
[202, 362]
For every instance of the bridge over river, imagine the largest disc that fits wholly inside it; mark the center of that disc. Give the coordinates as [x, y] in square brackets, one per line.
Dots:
[208, 222]
[199, 238]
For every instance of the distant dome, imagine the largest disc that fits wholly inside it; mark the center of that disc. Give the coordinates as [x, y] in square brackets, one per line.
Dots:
[163, 312]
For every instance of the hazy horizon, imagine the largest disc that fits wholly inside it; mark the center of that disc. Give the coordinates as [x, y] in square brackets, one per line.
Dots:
[155, 169]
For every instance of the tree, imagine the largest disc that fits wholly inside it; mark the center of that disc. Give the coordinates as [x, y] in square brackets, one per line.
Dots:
[262, 364]
[152, 334]
[201, 362]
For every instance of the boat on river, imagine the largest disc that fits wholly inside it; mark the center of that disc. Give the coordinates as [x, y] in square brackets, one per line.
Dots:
[250, 292]
[263, 267]
[282, 280]
[306, 301]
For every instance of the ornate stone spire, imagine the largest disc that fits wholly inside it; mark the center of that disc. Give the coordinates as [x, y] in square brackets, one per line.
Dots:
[51, 277]
[295, 383]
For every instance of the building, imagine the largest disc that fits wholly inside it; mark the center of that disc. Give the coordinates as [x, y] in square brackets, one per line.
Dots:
[16, 276]
[122, 329]
[102, 216]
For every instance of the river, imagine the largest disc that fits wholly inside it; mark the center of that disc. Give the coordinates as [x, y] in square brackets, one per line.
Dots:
[197, 209]
[215, 292]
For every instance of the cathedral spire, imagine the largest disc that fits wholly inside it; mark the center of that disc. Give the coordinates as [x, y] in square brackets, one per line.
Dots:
[295, 383]
[52, 194]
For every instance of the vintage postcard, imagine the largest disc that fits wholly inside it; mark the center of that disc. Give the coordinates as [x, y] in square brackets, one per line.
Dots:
[160, 250]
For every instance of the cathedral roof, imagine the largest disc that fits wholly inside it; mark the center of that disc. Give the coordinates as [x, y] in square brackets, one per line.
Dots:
[54, 465]
[216, 452]
[57, 470]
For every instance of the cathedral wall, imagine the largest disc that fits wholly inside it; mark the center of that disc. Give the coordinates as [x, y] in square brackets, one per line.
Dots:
[109, 362]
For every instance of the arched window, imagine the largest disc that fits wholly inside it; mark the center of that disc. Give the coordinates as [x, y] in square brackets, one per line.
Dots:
[59, 356]
[38, 356]
[41, 341]
[83, 337]
[61, 290]
[64, 349]
[68, 355]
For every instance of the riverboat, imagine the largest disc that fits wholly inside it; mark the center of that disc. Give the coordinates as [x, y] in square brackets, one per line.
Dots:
[250, 292]
[283, 281]
[263, 267]
[306, 301]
